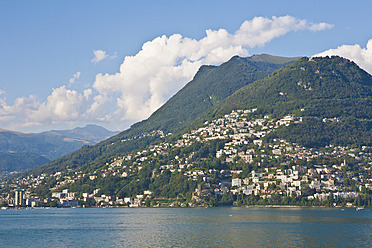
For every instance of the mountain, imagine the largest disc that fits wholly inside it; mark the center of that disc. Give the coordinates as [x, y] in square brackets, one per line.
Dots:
[318, 89]
[20, 161]
[89, 134]
[209, 87]
[39, 148]
[288, 138]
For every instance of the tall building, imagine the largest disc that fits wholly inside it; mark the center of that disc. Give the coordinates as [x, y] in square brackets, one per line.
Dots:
[18, 197]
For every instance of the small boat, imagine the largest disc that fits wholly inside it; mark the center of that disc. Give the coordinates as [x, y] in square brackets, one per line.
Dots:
[359, 208]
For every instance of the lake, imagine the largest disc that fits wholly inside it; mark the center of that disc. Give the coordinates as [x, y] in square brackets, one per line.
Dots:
[186, 227]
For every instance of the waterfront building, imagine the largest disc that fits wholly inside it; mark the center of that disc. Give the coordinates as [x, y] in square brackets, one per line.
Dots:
[18, 197]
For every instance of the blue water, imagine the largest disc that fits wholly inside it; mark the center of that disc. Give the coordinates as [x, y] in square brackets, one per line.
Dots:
[186, 227]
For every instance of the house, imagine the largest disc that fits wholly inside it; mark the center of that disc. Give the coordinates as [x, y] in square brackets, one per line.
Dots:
[236, 182]
[37, 203]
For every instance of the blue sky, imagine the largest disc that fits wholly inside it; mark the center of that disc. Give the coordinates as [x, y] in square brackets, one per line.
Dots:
[67, 63]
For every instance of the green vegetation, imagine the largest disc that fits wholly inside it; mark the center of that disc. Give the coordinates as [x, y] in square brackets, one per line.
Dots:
[209, 87]
[313, 132]
[300, 136]
[318, 88]
[20, 161]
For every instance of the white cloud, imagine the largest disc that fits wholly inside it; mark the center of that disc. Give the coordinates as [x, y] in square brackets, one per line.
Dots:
[164, 65]
[320, 26]
[149, 78]
[74, 77]
[2, 92]
[100, 55]
[260, 30]
[361, 56]
[15, 115]
[88, 93]
[62, 105]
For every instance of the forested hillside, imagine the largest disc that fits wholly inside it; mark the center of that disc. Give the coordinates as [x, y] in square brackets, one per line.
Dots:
[210, 86]
[301, 136]
[333, 94]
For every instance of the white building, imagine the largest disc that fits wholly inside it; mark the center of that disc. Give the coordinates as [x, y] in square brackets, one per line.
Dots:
[236, 182]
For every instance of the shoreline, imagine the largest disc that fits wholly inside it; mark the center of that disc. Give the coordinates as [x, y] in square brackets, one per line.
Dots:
[249, 206]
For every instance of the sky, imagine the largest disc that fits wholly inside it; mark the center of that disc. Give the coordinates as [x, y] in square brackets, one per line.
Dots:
[67, 63]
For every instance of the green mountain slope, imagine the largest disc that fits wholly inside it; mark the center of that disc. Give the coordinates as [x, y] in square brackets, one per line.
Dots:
[209, 87]
[20, 161]
[326, 100]
[317, 89]
[304, 129]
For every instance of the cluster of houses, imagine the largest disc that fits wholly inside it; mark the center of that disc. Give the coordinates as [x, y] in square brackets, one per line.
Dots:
[287, 182]
[243, 142]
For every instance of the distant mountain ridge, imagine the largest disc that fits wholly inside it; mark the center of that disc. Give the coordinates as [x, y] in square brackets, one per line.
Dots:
[39, 148]
[89, 134]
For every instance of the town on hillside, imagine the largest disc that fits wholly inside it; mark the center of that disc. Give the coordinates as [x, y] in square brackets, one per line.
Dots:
[230, 161]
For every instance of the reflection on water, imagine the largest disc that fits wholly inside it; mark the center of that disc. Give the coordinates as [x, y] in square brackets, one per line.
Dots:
[179, 227]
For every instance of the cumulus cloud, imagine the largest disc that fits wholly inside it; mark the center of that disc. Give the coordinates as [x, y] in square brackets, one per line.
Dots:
[361, 56]
[100, 55]
[63, 105]
[149, 78]
[164, 65]
[74, 77]
[2, 92]
[19, 111]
